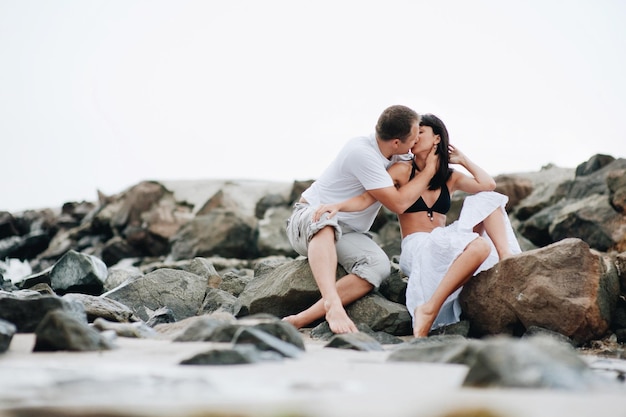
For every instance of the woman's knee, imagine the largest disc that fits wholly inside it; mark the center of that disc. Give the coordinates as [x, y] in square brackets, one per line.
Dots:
[480, 247]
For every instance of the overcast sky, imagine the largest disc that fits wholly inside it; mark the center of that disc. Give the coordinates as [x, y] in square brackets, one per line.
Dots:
[100, 95]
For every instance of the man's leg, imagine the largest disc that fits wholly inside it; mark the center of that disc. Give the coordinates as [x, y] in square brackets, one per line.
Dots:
[322, 256]
[357, 253]
[349, 288]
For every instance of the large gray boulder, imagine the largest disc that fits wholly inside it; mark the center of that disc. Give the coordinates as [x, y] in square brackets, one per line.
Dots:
[290, 288]
[221, 232]
[180, 291]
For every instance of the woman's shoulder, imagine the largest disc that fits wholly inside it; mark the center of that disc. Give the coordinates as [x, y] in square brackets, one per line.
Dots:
[400, 172]
[400, 166]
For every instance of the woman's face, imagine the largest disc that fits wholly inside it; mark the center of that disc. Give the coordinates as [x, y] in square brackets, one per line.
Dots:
[426, 140]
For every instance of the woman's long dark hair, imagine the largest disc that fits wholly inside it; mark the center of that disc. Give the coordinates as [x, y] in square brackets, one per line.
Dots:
[443, 171]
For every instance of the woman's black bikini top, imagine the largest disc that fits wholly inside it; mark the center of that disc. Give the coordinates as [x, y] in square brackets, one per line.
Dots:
[442, 205]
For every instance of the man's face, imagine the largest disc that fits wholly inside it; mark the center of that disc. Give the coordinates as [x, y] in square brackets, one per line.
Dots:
[405, 146]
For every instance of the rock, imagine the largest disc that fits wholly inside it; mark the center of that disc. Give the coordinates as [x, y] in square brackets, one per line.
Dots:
[270, 201]
[78, 272]
[536, 362]
[119, 274]
[265, 341]
[283, 290]
[591, 219]
[180, 291]
[7, 330]
[203, 329]
[219, 300]
[161, 316]
[220, 232]
[564, 287]
[234, 282]
[435, 349]
[26, 309]
[394, 287]
[516, 188]
[136, 329]
[272, 238]
[8, 225]
[380, 314]
[545, 184]
[103, 307]
[59, 330]
[355, 341]
[616, 181]
[276, 327]
[593, 164]
[236, 355]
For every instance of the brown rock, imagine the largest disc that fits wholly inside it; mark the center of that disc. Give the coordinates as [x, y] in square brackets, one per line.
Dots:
[564, 287]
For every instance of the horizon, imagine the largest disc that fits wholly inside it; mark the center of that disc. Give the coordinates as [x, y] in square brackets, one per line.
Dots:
[165, 181]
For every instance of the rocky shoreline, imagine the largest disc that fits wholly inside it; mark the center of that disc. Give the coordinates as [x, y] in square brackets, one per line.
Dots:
[207, 264]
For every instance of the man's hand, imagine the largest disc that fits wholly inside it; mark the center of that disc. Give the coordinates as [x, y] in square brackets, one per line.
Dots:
[331, 209]
[432, 161]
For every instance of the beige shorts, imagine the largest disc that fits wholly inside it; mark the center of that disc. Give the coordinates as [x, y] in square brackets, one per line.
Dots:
[356, 252]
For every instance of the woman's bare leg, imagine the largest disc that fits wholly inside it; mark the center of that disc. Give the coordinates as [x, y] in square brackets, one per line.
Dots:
[495, 226]
[459, 273]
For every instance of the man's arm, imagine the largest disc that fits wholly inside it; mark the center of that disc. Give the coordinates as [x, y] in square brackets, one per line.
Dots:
[400, 199]
[358, 203]
[397, 198]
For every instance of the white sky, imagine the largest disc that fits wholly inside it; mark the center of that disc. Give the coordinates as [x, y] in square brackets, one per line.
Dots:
[100, 95]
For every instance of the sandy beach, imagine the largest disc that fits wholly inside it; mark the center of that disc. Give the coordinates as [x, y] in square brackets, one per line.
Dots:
[143, 377]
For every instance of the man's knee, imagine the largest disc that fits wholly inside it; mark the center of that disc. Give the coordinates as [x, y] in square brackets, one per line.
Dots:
[361, 256]
[325, 233]
[373, 269]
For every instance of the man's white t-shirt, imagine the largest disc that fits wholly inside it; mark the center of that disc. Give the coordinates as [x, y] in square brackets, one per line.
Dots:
[358, 167]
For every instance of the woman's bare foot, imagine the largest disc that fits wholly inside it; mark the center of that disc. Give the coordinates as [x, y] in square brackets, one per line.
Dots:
[338, 319]
[505, 255]
[424, 319]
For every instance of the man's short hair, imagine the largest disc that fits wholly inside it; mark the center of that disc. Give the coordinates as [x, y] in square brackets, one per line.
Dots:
[396, 122]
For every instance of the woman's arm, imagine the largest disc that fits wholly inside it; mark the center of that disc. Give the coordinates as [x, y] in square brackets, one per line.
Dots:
[480, 180]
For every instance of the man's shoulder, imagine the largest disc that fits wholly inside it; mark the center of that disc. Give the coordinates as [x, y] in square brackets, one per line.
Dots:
[362, 145]
[363, 140]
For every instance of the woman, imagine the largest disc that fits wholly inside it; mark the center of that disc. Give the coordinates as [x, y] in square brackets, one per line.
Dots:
[440, 259]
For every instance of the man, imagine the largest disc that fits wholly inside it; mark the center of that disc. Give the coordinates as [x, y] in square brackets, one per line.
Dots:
[360, 166]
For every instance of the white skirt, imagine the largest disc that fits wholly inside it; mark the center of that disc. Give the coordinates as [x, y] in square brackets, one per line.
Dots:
[426, 257]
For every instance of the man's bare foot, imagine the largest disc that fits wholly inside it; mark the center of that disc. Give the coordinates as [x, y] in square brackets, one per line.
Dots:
[424, 319]
[295, 320]
[338, 319]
